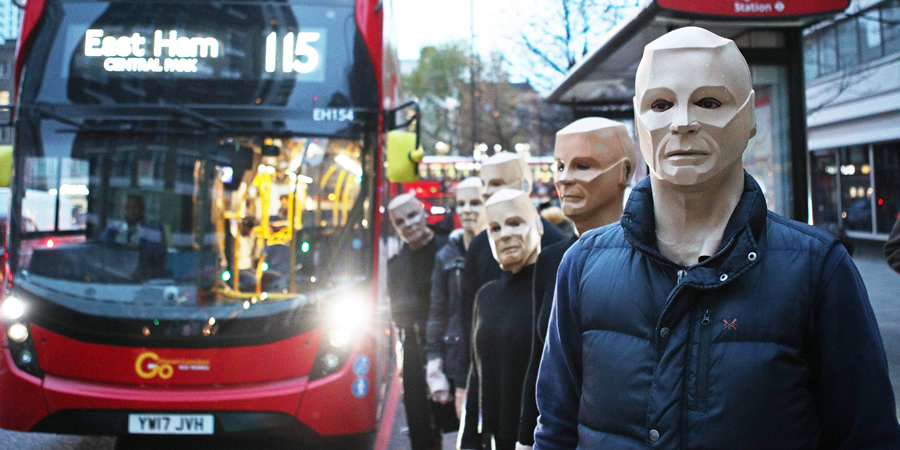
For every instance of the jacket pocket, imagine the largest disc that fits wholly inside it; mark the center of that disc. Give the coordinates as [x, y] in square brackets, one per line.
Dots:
[454, 361]
[703, 361]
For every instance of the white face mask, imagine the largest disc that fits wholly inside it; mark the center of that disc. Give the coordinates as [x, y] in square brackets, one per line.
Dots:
[585, 154]
[470, 209]
[693, 122]
[514, 230]
[502, 171]
[411, 223]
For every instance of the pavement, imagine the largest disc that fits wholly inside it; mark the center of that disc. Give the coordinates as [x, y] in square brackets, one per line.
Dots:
[882, 284]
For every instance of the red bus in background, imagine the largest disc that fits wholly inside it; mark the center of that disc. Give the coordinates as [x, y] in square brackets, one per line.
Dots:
[438, 176]
[439, 200]
[194, 219]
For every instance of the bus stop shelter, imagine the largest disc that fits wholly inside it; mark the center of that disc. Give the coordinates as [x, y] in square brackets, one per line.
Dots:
[769, 33]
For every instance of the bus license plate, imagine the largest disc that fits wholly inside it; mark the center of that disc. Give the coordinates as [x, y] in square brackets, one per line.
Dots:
[170, 423]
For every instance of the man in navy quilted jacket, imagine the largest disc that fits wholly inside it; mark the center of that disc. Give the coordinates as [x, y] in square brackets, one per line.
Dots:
[702, 320]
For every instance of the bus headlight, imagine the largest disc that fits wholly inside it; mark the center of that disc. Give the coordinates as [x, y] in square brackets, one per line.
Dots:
[347, 320]
[18, 335]
[17, 332]
[13, 308]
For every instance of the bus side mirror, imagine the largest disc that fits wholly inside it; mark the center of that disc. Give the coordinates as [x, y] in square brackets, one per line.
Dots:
[403, 157]
[6, 160]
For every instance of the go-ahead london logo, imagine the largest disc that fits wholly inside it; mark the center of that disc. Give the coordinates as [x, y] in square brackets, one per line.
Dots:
[149, 365]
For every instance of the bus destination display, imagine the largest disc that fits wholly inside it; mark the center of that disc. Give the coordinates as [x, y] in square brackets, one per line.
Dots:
[301, 54]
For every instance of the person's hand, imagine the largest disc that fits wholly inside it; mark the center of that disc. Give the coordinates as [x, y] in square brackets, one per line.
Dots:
[460, 398]
[438, 385]
[521, 446]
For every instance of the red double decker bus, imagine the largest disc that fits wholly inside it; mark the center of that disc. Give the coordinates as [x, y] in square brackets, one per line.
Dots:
[195, 218]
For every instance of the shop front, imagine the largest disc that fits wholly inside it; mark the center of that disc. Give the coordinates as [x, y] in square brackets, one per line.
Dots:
[853, 101]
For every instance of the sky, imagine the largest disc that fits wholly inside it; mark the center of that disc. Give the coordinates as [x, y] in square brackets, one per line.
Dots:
[420, 23]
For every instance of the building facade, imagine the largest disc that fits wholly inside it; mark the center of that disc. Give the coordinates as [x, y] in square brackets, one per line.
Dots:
[7, 64]
[851, 65]
[10, 21]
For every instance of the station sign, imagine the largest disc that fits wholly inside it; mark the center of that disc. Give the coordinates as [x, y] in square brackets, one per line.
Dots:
[755, 8]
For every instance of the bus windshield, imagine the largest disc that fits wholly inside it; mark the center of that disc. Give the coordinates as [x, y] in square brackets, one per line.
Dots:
[231, 220]
[176, 155]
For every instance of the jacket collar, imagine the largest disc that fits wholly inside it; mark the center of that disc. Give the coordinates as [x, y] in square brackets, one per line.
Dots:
[743, 231]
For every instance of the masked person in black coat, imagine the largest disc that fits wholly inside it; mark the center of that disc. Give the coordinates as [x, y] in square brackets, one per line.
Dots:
[447, 370]
[410, 297]
[501, 327]
[503, 170]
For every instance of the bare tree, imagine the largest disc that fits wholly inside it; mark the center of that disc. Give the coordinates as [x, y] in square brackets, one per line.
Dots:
[438, 82]
[557, 33]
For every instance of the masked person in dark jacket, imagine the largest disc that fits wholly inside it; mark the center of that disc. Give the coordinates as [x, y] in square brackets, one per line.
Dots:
[701, 320]
[410, 293]
[594, 160]
[501, 326]
[503, 170]
[448, 362]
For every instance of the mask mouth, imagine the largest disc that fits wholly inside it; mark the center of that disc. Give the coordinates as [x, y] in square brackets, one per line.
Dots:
[689, 152]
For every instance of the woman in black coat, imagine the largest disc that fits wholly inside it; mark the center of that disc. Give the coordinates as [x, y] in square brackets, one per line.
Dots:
[501, 325]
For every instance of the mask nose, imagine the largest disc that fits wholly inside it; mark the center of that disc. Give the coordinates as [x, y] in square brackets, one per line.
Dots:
[687, 129]
[563, 177]
[683, 123]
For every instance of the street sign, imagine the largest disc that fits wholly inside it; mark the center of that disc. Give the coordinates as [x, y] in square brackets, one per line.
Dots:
[755, 8]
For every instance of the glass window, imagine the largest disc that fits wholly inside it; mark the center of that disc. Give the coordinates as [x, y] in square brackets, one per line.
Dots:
[810, 58]
[870, 35]
[887, 185]
[39, 203]
[856, 188]
[767, 156]
[73, 194]
[827, 47]
[890, 20]
[824, 189]
[848, 48]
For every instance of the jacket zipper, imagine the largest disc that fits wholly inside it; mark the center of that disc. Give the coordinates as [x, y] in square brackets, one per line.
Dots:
[703, 361]
[458, 333]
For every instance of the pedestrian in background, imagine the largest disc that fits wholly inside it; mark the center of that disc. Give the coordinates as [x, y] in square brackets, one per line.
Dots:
[554, 215]
[446, 346]
[410, 294]
[892, 247]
